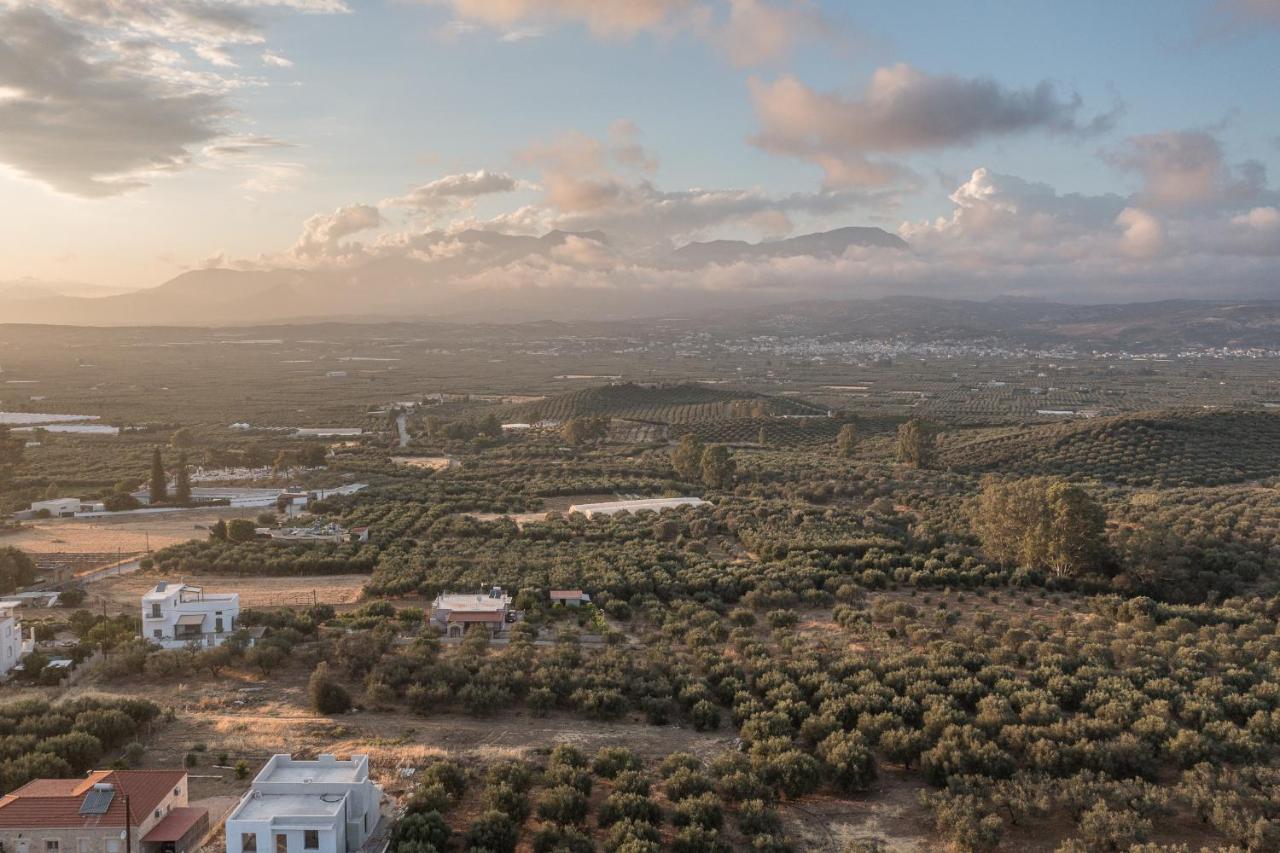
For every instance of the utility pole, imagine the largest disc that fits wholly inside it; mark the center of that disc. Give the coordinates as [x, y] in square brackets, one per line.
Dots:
[128, 826]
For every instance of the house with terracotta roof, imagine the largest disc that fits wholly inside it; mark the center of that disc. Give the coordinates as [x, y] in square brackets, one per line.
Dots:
[569, 597]
[108, 811]
[455, 612]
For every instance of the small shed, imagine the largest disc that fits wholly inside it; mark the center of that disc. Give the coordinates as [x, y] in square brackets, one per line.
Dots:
[569, 597]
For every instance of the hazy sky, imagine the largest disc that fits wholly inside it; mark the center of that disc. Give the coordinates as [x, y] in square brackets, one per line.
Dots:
[1043, 144]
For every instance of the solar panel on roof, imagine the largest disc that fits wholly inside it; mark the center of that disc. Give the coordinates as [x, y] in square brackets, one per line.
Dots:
[97, 801]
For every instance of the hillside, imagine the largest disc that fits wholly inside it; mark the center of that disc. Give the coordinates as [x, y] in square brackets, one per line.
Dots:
[1166, 449]
[685, 403]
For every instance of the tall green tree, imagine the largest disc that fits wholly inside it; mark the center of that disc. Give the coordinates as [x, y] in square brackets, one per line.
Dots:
[159, 482]
[718, 467]
[182, 482]
[1041, 523]
[182, 439]
[687, 458]
[916, 443]
[847, 440]
[16, 569]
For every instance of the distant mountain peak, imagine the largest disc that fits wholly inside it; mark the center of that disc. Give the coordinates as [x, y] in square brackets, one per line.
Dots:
[819, 244]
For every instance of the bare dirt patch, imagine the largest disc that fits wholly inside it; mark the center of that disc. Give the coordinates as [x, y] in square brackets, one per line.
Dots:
[121, 593]
[427, 463]
[127, 534]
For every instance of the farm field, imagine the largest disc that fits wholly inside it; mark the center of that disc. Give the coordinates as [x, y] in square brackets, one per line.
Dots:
[129, 534]
[915, 612]
[121, 594]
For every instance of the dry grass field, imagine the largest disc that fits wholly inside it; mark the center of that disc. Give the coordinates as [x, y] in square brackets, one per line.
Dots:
[128, 534]
[120, 593]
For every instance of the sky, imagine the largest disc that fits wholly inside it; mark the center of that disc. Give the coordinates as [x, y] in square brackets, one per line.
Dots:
[1062, 150]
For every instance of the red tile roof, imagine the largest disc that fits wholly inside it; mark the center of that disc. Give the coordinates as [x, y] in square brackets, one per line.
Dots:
[55, 803]
[175, 825]
[475, 616]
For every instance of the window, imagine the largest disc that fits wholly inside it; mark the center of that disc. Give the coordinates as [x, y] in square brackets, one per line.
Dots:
[177, 792]
[157, 813]
[311, 839]
[157, 633]
[51, 845]
[155, 610]
[249, 842]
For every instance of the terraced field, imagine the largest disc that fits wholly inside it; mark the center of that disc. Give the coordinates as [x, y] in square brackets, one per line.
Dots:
[1166, 449]
[686, 403]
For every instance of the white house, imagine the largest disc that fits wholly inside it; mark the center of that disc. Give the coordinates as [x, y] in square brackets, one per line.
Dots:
[13, 646]
[323, 806]
[176, 614]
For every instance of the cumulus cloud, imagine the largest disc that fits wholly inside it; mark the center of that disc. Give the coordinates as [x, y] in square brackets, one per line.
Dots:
[603, 183]
[323, 235]
[453, 190]
[1186, 169]
[101, 96]
[87, 123]
[902, 110]
[1143, 234]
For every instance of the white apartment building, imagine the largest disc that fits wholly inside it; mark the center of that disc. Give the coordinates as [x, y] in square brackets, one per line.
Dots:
[13, 646]
[177, 614]
[294, 806]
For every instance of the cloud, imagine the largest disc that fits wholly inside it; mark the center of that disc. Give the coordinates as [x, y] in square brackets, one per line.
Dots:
[101, 95]
[1186, 169]
[604, 183]
[902, 110]
[757, 33]
[746, 32]
[87, 123]
[1259, 219]
[275, 60]
[1144, 235]
[458, 189]
[602, 17]
[1236, 14]
[323, 234]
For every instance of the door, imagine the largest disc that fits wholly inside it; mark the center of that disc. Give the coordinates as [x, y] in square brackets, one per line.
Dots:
[282, 843]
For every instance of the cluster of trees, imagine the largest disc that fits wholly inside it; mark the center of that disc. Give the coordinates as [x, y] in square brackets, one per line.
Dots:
[42, 739]
[16, 569]
[571, 797]
[11, 447]
[584, 430]
[441, 429]
[1041, 523]
[712, 465]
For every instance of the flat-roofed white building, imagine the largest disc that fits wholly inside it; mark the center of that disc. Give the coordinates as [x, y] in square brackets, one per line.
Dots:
[177, 614]
[651, 504]
[328, 805]
[13, 646]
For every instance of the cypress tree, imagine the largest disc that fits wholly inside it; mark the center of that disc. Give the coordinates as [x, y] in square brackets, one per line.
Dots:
[159, 485]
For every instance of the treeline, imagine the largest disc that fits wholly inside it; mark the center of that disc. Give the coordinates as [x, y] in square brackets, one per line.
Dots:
[40, 739]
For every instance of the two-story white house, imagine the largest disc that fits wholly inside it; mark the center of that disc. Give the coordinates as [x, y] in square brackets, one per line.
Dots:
[177, 614]
[324, 806]
[13, 645]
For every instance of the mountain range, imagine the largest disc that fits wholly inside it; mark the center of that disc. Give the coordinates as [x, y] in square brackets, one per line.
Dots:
[433, 277]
